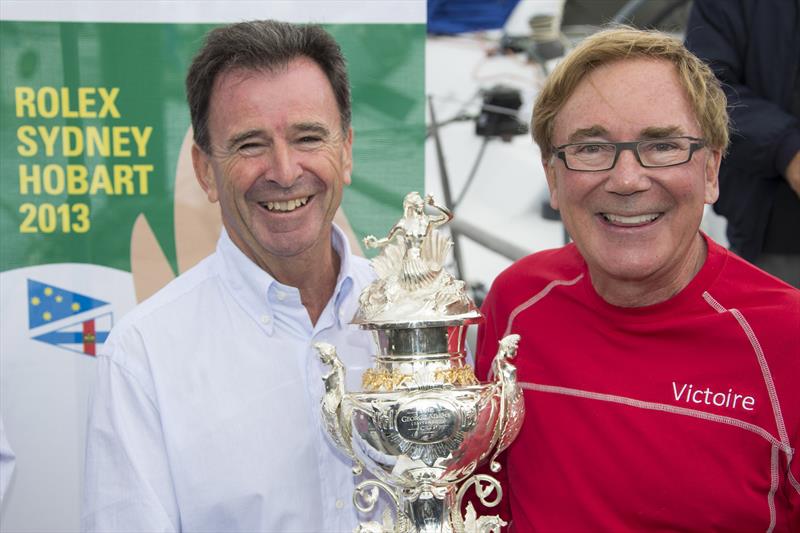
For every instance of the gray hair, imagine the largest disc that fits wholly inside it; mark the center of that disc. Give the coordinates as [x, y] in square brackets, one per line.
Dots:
[262, 45]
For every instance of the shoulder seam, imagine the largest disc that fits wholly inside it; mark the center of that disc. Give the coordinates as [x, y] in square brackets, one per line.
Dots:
[125, 370]
[535, 298]
[174, 297]
[762, 363]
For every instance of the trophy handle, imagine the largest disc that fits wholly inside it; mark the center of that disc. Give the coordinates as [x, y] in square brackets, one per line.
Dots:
[485, 486]
[338, 427]
[512, 404]
[365, 497]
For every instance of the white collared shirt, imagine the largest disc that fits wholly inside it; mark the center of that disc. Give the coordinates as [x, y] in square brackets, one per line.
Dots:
[205, 415]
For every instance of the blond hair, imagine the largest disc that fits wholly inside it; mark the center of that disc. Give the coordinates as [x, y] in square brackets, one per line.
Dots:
[703, 90]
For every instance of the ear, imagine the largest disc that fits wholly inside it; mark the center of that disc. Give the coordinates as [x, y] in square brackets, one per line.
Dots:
[711, 176]
[550, 174]
[347, 157]
[204, 173]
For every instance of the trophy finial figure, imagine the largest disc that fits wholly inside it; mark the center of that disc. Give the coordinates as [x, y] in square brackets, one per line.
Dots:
[421, 261]
[412, 281]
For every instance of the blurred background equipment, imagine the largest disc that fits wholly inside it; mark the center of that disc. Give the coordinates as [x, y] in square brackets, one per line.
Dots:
[498, 118]
[499, 114]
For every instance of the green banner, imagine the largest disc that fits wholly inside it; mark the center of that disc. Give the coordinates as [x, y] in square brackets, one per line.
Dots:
[93, 119]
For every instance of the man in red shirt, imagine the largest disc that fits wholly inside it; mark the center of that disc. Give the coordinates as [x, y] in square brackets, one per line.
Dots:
[660, 371]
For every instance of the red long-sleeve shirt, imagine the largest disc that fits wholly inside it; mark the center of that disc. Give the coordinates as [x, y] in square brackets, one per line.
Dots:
[682, 415]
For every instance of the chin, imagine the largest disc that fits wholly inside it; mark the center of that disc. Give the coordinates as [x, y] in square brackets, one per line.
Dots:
[286, 244]
[629, 268]
[632, 274]
[280, 248]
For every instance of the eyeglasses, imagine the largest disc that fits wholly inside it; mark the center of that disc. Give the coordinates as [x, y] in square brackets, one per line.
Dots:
[652, 153]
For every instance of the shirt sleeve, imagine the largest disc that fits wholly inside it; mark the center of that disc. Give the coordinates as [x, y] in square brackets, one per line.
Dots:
[128, 485]
[718, 32]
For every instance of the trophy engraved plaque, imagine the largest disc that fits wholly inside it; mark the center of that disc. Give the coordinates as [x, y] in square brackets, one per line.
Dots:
[422, 422]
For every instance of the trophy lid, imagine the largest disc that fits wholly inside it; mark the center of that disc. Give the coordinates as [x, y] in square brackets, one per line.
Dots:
[413, 290]
[472, 316]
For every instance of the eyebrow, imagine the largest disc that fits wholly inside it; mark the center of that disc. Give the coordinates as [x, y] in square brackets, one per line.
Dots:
[584, 133]
[239, 137]
[301, 127]
[311, 127]
[655, 132]
[661, 132]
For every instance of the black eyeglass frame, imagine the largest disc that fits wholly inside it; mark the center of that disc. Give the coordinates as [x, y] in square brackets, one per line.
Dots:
[694, 146]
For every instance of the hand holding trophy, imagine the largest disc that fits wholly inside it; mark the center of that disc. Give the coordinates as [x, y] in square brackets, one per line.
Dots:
[423, 422]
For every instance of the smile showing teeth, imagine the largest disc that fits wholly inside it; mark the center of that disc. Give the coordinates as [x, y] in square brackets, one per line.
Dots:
[286, 205]
[630, 221]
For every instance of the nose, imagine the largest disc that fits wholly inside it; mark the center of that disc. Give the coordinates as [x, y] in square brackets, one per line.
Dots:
[628, 176]
[284, 168]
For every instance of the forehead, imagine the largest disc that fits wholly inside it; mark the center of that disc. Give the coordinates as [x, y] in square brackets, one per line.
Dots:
[298, 91]
[625, 98]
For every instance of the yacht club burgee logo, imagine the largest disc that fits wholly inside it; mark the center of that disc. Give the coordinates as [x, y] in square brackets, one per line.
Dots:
[67, 319]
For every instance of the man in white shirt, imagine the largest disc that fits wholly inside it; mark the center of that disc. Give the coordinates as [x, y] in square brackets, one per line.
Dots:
[205, 415]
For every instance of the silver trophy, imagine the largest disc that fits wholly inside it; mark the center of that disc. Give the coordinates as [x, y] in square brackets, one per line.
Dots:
[423, 422]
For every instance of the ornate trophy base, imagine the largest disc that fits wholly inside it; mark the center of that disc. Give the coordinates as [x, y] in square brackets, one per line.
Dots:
[421, 426]
[425, 511]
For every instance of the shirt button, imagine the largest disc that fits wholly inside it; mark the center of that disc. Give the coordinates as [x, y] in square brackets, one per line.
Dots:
[339, 504]
[280, 295]
[265, 319]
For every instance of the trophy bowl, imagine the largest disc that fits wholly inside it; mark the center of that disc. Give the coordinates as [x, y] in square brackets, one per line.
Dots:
[424, 437]
[422, 422]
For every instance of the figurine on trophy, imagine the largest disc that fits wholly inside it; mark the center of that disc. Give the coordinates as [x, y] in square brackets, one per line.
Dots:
[416, 228]
[422, 423]
[411, 266]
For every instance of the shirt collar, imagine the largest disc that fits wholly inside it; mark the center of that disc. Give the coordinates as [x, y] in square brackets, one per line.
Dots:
[251, 284]
[344, 283]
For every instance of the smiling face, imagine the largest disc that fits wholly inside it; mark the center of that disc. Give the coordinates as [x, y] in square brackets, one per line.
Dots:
[279, 160]
[636, 227]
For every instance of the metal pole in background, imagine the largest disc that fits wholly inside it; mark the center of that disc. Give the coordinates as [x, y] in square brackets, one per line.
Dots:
[448, 197]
